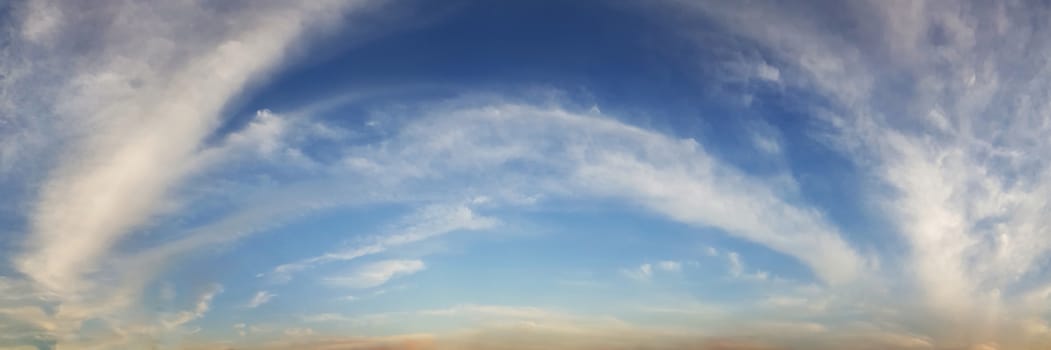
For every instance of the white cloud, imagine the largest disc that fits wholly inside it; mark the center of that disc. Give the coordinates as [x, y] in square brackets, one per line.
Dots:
[377, 273]
[643, 272]
[676, 178]
[673, 266]
[482, 314]
[428, 222]
[954, 145]
[767, 72]
[133, 108]
[969, 201]
[241, 328]
[299, 332]
[666, 175]
[502, 311]
[736, 266]
[202, 306]
[711, 251]
[87, 204]
[646, 270]
[260, 298]
[486, 137]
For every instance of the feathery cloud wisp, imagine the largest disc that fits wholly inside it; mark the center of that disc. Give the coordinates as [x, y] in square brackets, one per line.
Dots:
[260, 298]
[377, 273]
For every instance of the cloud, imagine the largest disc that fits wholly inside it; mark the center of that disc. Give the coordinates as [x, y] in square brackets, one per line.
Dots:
[515, 327]
[377, 273]
[736, 266]
[260, 298]
[959, 188]
[938, 105]
[202, 306]
[797, 303]
[500, 311]
[133, 104]
[484, 314]
[428, 222]
[488, 136]
[676, 178]
[711, 251]
[306, 341]
[672, 266]
[103, 201]
[298, 332]
[242, 329]
[643, 272]
[768, 72]
[663, 174]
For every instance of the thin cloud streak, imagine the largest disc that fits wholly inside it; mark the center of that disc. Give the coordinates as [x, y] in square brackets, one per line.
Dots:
[376, 274]
[428, 222]
[260, 298]
[668, 176]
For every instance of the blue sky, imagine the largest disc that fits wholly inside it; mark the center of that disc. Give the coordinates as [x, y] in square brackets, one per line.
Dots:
[400, 174]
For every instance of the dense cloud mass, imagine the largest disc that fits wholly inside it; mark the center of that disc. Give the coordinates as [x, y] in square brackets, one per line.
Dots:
[524, 175]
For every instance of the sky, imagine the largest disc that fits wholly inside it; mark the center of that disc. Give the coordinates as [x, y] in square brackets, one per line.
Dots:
[525, 174]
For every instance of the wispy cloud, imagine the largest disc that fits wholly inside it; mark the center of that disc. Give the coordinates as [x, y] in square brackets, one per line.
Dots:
[952, 138]
[646, 270]
[643, 272]
[133, 110]
[298, 332]
[104, 201]
[471, 137]
[202, 306]
[517, 327]
[667, 175]
[501, 311]
[377, 273]
[260, 298]
[737, 268]
[112, 125]
[667, 265]
[428, 222]
[242, 329]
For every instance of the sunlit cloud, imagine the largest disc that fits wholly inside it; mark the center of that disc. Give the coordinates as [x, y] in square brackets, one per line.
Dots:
[377, 273]
[429, 222]
[260, 298]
